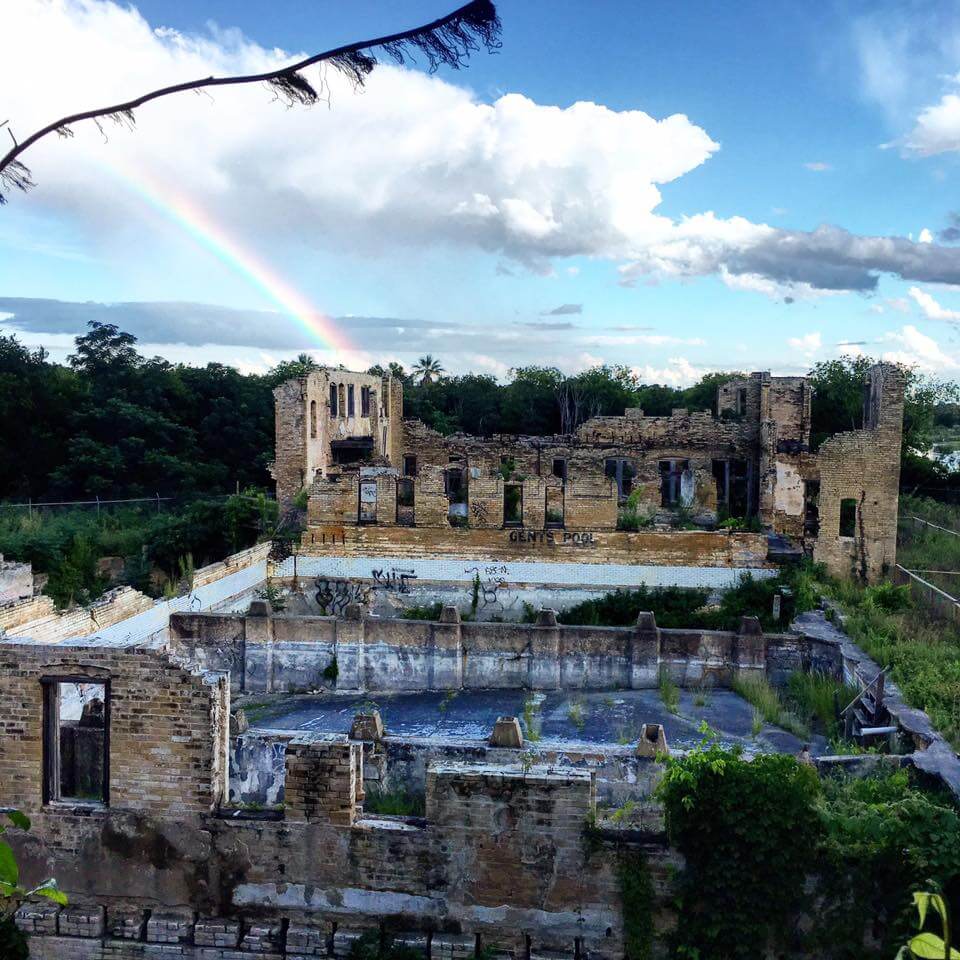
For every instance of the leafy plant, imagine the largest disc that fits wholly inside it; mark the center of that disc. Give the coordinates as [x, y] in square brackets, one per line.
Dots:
[12, 893]
[636, 898]
[929, 946]
[743, 828]
[575, 711]
[274, 596]
[531, 718]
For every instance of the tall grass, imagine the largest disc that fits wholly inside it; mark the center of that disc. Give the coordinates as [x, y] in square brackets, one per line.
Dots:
[818, 697]
[758, 692]
[920, 547]
[669, 692]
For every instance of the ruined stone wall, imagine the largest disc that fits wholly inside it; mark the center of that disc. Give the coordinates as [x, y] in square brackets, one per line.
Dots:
[166, 741]
[333, 501]
[593, 545]
[864, 466]
[49, 626]
[306, 424]
[17, 612]
[499, 857]
[289, 468]
[289, 654]
[698, 437]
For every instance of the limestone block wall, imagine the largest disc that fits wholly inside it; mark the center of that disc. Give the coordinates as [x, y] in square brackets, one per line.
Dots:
[499, 860]
[289, 468]
[485, 500]
[333, 501]
[51, 627]
[167, 746]
[430, 503]
[16, 612]
[590, 544]
[864, 466]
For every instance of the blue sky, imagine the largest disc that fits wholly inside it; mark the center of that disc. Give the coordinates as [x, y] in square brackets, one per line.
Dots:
[787, 117]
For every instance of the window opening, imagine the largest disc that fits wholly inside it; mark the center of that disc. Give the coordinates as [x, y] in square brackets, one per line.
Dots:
[313, 419]
[512, 504]
[623, 471]
[848, 517]
[671, 473]
[368, 501]
[76, 744]
[409, 465]
[333, 399]
[350, 401]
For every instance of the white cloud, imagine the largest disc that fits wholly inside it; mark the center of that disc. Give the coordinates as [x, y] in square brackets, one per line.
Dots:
[679, 372]
[925, 236]
[932, 310]
[818, 166]
[916, 349]
[530, 180]
[809, 344]
[937, 128]
[413, 161]
[645, 339]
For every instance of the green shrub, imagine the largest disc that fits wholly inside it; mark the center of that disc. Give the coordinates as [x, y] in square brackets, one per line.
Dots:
[766, 844]
[425, 611]
[672, 606]
[399, 802]
[745, 832]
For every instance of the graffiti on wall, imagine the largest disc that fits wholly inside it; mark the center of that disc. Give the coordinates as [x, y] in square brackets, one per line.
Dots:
[489, 581]
[392, 579]
[334, 596]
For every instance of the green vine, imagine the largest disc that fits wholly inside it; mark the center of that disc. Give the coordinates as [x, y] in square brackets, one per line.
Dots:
[637, 898]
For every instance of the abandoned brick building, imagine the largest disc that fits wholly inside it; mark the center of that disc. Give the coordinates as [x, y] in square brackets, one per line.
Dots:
[374, 479]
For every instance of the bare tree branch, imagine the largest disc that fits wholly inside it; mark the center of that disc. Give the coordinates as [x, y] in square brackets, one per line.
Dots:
[448, 41]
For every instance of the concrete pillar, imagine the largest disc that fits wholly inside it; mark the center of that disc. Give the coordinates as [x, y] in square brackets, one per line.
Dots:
[349, 649]
[645, 652]
[446, 666]
[544, 665]
[750, 647]
[258, 648]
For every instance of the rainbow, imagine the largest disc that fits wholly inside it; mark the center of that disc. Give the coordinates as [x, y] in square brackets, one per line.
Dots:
[188, 215]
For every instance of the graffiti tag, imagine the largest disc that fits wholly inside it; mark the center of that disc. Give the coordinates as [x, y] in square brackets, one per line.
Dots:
[334, 596]
[393, 579]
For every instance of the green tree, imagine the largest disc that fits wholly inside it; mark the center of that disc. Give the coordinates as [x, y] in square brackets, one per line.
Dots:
[531, 401]
[839, 394]
[428, 369]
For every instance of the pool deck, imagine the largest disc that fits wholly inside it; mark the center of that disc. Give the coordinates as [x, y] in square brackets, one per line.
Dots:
[590, 718]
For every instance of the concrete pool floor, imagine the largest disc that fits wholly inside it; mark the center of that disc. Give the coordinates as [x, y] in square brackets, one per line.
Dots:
[563, 717]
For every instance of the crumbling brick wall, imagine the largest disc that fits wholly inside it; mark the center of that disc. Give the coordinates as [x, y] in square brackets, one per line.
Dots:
[167, 736]
[864, 466]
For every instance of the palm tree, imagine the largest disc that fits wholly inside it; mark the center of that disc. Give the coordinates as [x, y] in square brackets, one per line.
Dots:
[428, 369]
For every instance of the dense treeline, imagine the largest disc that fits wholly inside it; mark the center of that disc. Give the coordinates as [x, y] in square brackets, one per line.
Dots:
[113, 423]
